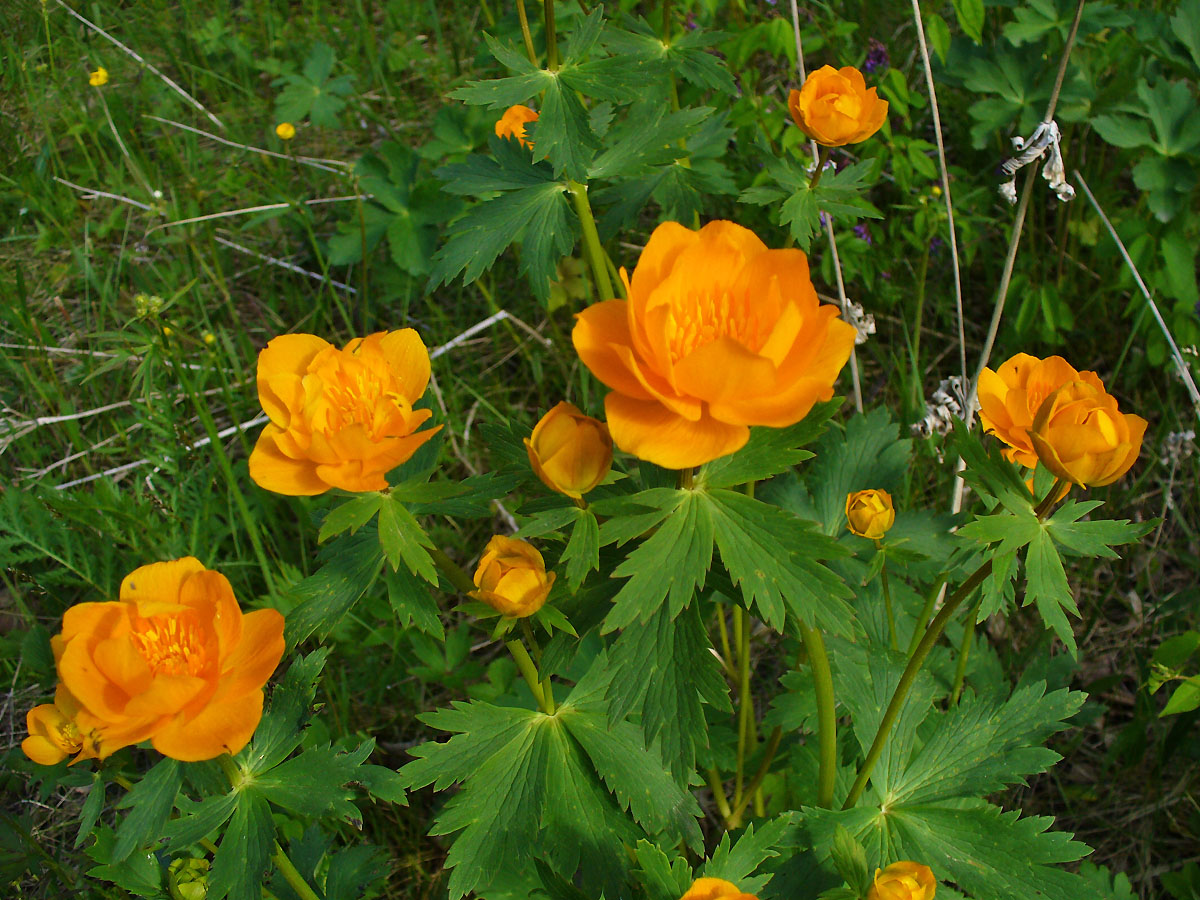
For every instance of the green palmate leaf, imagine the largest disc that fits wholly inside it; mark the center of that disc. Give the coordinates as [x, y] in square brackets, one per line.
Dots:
[403, 539]
[648, 137]
[549, 521]
[92, 807]
[521, 772]
[754, 847]
[196, 820]
[983, 745]
[470, 498]
[139, 874]
[1092, 538]
[582, 553]
[769, 450]
[1010, 531]
[618, 753]
[536, 216]
[687, 56]
[288, 709]
[245, 849]
[507, 169]
[1046, 585]
[661, 878]
[774, 558]
[149, 803]
[351, 565]
[562, 133]
[315, 783]
[970, 18]
[350, 516]
[851, 861]
[633, 516]
[989, 473]
[413, 603]
[670, 565]
[664, 670]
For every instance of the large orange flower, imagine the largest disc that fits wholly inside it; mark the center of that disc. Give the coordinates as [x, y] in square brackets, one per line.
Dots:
[174, 660]
[719, 333]
[1081, 436]
[339, 418]
[835, 107]
[1010, 396]
[715, 889]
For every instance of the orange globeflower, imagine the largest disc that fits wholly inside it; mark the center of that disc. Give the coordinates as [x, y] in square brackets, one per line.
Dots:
[904, 880]
[1009, 398]
[834, 107]
[1081, 436]
[715, 889]
[512, 123]
[53, 734]
[569, 451]
[870, 513]
[512, 578]
[719, 333]
[174, 660]
[339, 418]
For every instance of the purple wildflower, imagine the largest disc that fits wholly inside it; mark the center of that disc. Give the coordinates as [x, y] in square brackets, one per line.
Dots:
[877, 57]
[936, 245]
[863, 232]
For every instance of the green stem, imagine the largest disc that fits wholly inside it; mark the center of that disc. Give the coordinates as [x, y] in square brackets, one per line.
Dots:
[529, 671]
[460, 579]
[292, 875]
[926, 612]
[745, 744]
[551, 37]
[887, 605]
[718, 792]
[936, 627]
[822, 158]
[964, 652]
[726, 649]
[487, 13]
[591, 238]
[525, 33]
[818, 659]
[734, 819]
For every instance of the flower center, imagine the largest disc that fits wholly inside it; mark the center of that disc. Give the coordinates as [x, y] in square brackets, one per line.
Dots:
[358, 393]
[702, 317]
[170, 646]
[69, 738]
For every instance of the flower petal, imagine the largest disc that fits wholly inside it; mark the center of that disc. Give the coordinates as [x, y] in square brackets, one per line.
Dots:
[255, 658]
[651, 432]
[159, 582]
[408, 359]
[599, 331]
[288, 354]
[273, 471]
[219, 728]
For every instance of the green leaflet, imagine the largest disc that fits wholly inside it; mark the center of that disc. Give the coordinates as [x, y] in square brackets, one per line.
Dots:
[403, 539]
[669, 565]
[664, 670]
[351, 564]
[244, 851]
[582, 553]
[281, 728]
[150, 802]
[769, 450]
[739, 862]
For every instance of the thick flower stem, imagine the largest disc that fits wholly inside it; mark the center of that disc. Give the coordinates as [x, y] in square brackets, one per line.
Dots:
[936, 627]
[734, 818]
[718, 792]
[591, 238]
[551, 37]
[822, 158]
[926, 611]
[745, 708]
[521, 657]
[292, 875]
[818, 659]
[525, 33]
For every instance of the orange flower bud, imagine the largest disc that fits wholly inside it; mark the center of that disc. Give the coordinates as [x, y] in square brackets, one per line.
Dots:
[718, 334]
[339, 418]
[1081, 436]
[512, 578]
[870, 513]
[174, 660]
[512, 123]
[903, 881]
[835, 107]
[714, 889]
[569, 451]
[1009, 398]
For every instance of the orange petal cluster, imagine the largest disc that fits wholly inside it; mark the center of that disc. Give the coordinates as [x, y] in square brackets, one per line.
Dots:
[718, 334]
[1009, 398]
[569, 451]
[905, 880]
[512, 123]
[715, 889]
[1081, 436]
[339, 418]
[512, 578]
[834, 107]
[174, 660]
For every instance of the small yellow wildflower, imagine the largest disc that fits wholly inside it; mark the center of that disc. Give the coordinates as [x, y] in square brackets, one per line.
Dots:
[209, 338]
[99, 78]
[285, 130]
[168, 331]
[936, 191]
